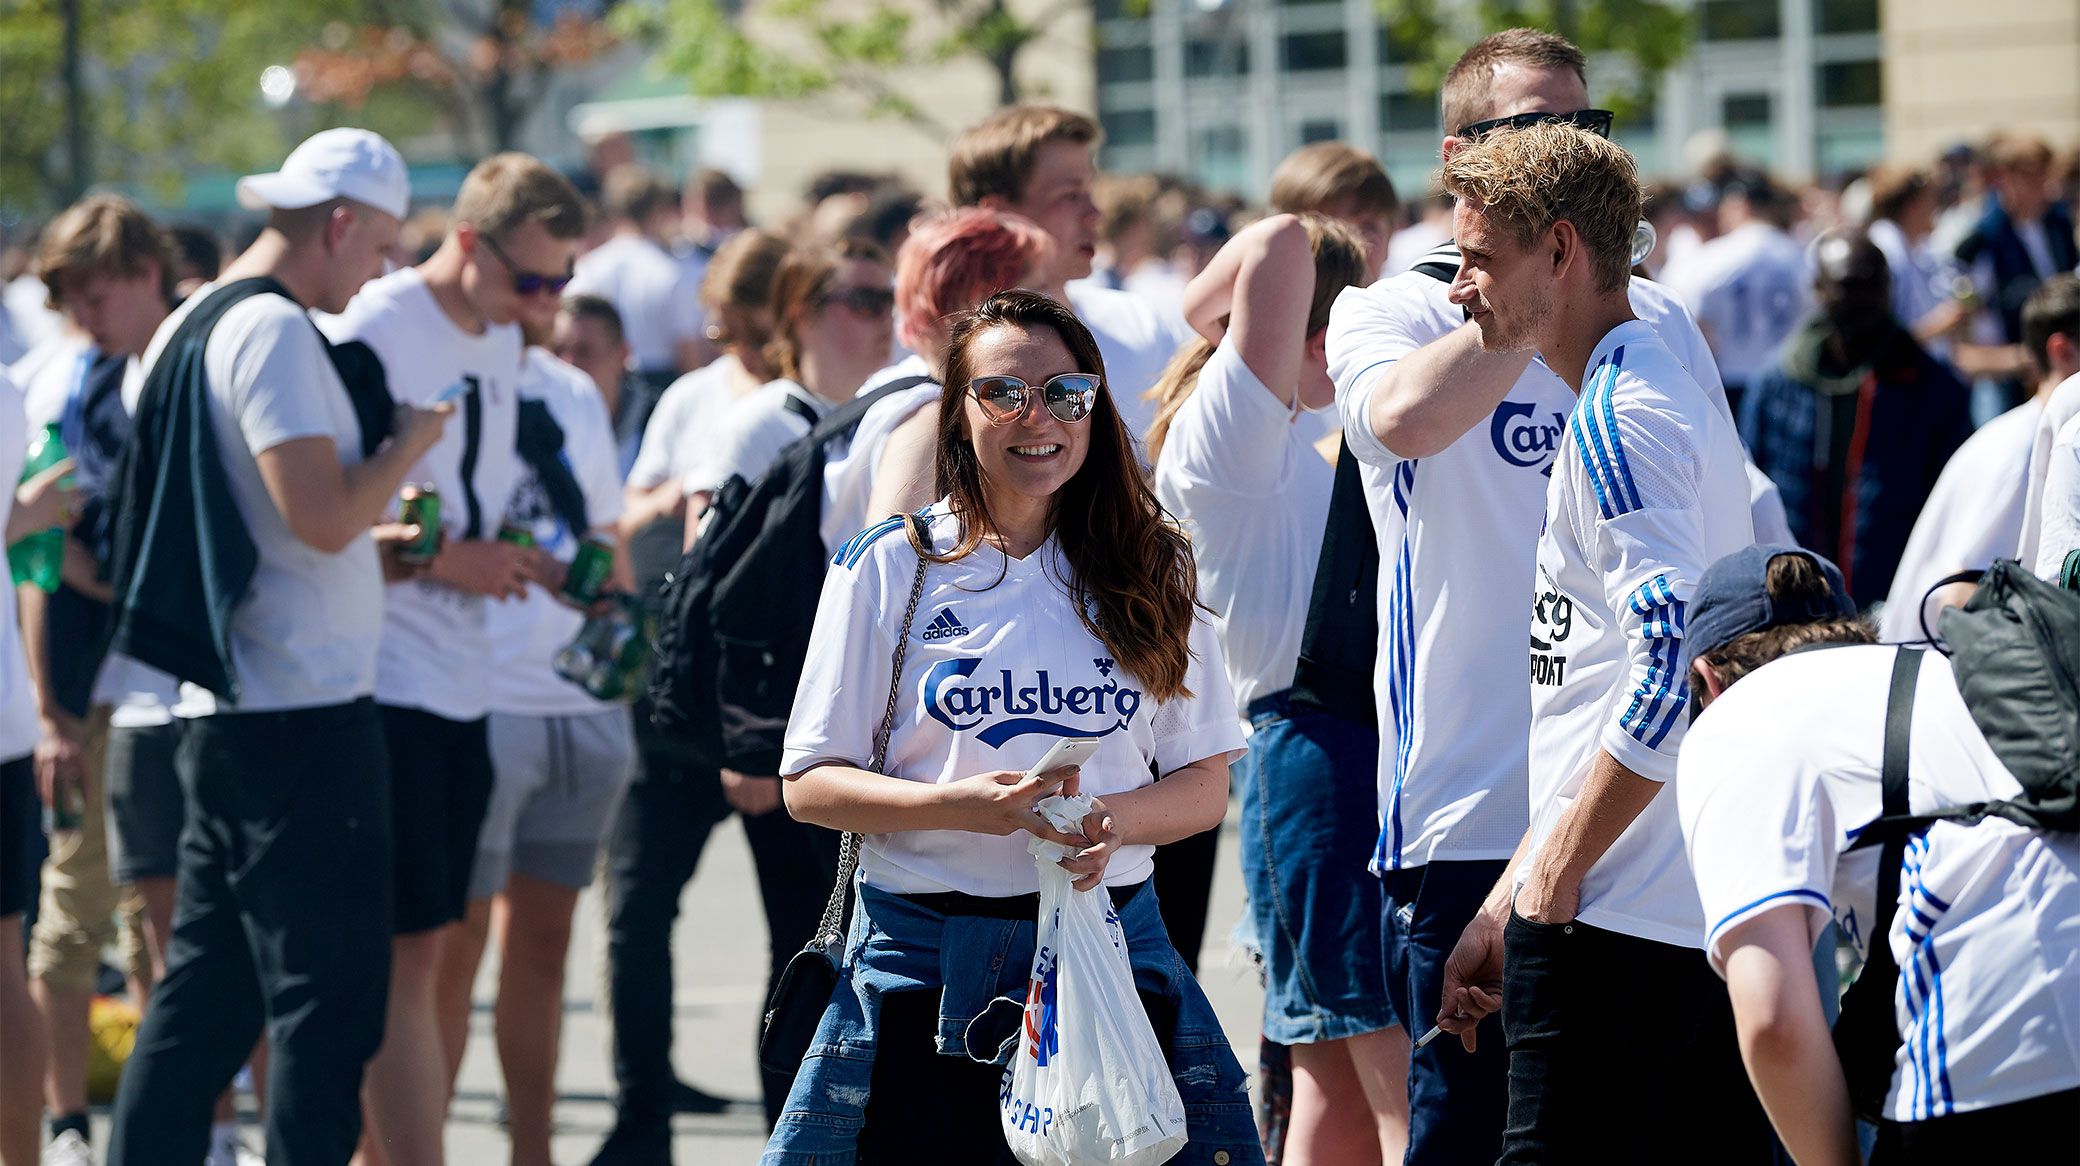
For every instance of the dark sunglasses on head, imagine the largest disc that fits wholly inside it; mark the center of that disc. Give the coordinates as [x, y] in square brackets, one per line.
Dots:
[862, 301]
[1070, 396]
[1596, 121]
[527, 283]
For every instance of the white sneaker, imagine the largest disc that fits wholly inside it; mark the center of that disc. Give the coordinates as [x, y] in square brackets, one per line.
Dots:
[68, 1149]
[231, 1150]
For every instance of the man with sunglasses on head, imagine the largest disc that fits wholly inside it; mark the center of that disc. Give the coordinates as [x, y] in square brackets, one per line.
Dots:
[446, 331]
[1457, 445]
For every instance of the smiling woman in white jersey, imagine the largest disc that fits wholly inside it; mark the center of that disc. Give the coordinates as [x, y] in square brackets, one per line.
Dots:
[1052, 602]
[1243, 478]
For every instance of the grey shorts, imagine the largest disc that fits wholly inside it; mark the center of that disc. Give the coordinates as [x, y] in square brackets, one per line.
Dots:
[145, 807]
[555, 779]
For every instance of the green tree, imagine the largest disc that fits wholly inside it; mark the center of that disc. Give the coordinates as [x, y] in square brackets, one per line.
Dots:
[1652, 34]
[805, 48]
[165, 84]
[485, 64]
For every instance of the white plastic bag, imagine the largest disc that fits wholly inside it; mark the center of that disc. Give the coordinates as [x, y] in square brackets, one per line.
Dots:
[1088, 1085]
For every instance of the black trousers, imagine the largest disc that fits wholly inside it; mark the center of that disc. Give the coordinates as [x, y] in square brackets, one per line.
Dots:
[654, 842]
[1184, 889]
[1621, 1050]
[283, 921]
[2041, 1129]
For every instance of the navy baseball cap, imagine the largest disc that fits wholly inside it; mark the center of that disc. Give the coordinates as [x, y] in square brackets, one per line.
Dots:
[1732, 599]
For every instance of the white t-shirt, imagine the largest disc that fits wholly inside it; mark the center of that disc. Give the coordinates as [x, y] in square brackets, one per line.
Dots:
[306, 635]
[2060, 407]
[1920, 280]
[1254, 495]
[752, 432]
[2061, 533]
[1137, 341]
[999, 667]
[1782, 773]
[19, 729]
[436, 652]
[1458, 536]
[1748, 288]
[1648, 491]
[659, 304]
[849, 467]
[681, 428]
[1972, 517]
[527, 633]
[51, 375]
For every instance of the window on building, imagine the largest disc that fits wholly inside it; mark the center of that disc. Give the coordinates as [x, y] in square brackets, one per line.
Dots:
[1216, 58]
[1129, 127]
[1325, 130]
[1409, 112]
[1849, 83]
[1738, 20]
[1126, 63]
[1831, 16]
[1220, 157]
[1304, 51]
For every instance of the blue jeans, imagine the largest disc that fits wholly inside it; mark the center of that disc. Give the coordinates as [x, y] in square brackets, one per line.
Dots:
[1309, 816]
[901, 952]
[1456, 1099]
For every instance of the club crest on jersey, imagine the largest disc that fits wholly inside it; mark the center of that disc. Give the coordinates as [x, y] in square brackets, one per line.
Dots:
[944, 626]
[956, 698]
[1522, 440]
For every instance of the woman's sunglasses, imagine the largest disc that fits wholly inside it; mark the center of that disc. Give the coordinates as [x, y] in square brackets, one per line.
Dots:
[862, 301]
[1596, 121]
[1070, 396]
[527, 283]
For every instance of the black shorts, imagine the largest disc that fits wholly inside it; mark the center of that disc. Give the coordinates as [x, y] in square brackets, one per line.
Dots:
[145, 807]
[21, 837]
[440, 787]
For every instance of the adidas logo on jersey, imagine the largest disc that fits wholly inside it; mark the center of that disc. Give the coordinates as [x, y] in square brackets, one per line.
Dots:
[944, 626]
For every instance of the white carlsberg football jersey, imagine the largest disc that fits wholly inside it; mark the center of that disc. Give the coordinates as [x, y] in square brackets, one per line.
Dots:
[999, 666]
[1779, 777]
[1650, 488]
[1458, 535]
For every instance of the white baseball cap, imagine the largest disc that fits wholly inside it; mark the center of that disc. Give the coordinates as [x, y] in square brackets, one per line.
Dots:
[338, 163]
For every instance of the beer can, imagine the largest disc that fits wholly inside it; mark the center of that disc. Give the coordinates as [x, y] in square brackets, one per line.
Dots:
[516, 534]
[587, 579]
[419, 506]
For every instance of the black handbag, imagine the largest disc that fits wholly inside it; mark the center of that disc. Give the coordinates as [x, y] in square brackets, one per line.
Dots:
[803, 992]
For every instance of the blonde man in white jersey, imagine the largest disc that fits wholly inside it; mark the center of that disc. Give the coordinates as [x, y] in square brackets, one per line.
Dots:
[447, 327]
[1456, 446]
[1649, 487]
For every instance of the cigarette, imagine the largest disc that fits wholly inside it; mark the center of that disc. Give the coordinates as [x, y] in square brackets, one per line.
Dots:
[1432, 1035]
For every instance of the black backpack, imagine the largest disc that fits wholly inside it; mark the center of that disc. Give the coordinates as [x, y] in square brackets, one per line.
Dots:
[733, 617]
[2015, 651]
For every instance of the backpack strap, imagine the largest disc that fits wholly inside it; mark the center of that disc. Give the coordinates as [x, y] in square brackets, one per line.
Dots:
[842, 420]
[1938, 585]
[1866, 1035]
[1892, 782]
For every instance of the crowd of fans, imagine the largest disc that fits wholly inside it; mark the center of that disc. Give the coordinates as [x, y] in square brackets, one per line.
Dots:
[1874, 369]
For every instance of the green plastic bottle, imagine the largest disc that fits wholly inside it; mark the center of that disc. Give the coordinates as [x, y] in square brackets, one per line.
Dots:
[38, 558]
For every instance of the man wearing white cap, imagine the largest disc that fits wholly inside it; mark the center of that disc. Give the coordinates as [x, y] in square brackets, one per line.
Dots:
[244, 565]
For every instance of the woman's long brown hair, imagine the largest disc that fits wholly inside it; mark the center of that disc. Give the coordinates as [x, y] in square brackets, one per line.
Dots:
[1131, 575]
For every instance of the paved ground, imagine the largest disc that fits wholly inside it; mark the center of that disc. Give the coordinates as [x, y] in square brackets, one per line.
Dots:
[721, 976]
[720, 972]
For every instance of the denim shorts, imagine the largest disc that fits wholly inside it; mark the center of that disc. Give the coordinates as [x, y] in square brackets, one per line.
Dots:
[899, 945]
[1309, 821]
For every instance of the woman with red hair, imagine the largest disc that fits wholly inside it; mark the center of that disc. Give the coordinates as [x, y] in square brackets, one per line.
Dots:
[951, 262]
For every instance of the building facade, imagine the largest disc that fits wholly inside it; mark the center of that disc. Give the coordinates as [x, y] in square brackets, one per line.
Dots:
[1219, 90]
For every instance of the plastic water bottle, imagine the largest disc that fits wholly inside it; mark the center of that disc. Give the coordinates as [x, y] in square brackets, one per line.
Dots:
[39, 557]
